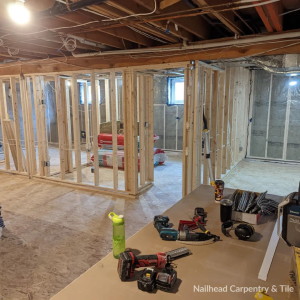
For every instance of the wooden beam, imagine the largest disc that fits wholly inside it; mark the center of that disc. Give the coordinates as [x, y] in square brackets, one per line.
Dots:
[263, 16]
[114, 128]
[95, 127]
[60, 127]
[233, 128]
[3, 116]
[87, 123]
[230, 118]
[113, 8]
[275, 10]
[98, 107]
[76, 128]
[17, 133]
[166, 3]
[226, 17]
[106, 63]
[195, 25]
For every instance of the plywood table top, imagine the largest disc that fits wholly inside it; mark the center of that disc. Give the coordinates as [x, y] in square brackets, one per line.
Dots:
[230, 263]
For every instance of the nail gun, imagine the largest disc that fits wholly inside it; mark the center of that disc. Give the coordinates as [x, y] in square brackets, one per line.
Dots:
[128, 262]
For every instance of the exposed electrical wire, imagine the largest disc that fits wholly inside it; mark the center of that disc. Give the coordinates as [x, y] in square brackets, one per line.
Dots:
[135, 15]
[70, 44]
[288, 12]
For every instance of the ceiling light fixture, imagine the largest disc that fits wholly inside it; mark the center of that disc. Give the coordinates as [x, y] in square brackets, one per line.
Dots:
[292, 83]
[293, 75]
[18, 12]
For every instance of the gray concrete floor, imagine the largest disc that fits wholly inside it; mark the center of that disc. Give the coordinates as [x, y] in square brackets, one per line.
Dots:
[259, 176]
[54, 233]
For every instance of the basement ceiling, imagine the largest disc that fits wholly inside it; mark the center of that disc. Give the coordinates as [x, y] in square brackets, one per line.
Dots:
[60, 29]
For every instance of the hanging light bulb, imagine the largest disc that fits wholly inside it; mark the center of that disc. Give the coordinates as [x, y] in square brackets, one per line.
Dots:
[18, 12]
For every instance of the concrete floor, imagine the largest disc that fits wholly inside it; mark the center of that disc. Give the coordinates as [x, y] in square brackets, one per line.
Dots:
[259, 176]
[54, 233]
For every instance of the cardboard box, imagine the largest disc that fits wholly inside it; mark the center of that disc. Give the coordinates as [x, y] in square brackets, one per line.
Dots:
[245, 217]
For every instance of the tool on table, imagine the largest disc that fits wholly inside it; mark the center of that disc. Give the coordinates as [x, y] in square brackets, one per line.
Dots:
[219, 189]
[243, 231]
[161, 223]
[128, 261]
[207, 150]
[187, 236]
[118, 233]
[166, 279]
[289, 219]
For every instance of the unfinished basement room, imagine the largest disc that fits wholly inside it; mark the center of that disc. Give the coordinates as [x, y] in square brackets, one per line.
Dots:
[149, 149]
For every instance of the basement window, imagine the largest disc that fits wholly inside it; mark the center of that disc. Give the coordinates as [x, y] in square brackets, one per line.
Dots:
[175, 90]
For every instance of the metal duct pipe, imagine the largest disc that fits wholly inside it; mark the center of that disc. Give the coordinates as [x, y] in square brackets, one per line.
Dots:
[282, 71]
[200, 46]
[59, 9]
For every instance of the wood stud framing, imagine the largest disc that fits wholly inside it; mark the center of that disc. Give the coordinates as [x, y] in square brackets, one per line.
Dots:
[224, 98]
[221, 96]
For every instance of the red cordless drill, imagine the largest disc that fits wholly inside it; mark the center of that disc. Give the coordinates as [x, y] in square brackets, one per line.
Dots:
[128, 262]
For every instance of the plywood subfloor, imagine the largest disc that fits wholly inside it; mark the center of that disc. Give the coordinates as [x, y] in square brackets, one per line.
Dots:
[53, 233]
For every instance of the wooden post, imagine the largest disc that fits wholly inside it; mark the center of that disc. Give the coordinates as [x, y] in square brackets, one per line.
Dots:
[107, 99]
[114, 128]
[149, 106]
[3, 116]
[28, 159]
[60, 127]
[130, 131]
[95, 126]
[65, 94]
[76, 129]
[214, 120]
[43, 124]
[31, 126]
[98, 109]
[37, 100]
[196, 125]
[200, 122]
[207, 113]
[14, 98]
[220, 125]
[226, 149]
[230, 160]
[191, 96]
[87, 123]
[142, 128]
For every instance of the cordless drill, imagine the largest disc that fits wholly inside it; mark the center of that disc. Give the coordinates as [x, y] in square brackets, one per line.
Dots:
[128, 262]
[161, 223]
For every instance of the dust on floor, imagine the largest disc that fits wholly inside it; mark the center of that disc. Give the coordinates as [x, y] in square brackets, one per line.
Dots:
[53, 233]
